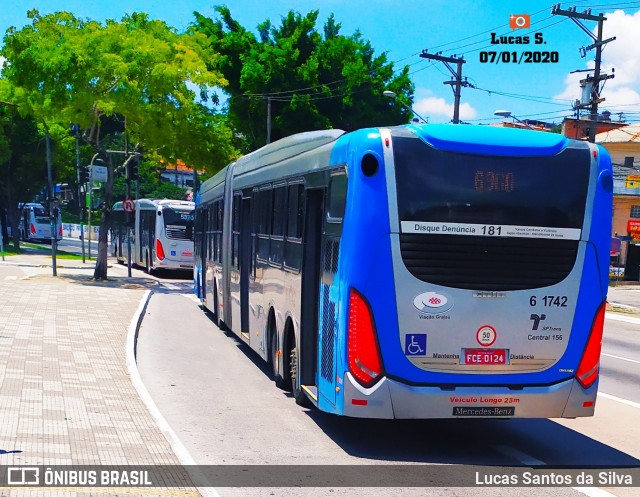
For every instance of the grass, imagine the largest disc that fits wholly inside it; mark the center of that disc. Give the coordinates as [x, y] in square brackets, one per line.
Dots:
[60, 254]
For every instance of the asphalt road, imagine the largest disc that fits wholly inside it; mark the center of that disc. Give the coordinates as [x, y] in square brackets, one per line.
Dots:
[217, 396]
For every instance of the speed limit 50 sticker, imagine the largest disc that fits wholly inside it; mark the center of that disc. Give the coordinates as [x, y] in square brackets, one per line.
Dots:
[486, 335]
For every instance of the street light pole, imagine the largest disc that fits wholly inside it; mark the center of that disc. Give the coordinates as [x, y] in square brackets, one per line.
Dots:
[53, 211]
[392, 94]
[76, 128]
[128, 195]
[507, 114]
[90, 201]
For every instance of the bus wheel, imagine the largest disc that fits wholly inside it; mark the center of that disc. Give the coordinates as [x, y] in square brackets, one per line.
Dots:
[279, 380]
[299, 396]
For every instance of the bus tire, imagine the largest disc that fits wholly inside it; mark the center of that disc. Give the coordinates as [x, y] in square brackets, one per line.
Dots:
[148, 268]
[299, 396]
[216, 309]
[280, 381]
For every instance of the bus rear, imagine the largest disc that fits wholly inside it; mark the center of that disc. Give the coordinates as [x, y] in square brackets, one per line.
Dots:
[474, 284]
[174, 235]
[35, 223]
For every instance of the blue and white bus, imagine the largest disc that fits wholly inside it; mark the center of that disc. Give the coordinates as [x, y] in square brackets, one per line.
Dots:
[419, 271]
[35, 223]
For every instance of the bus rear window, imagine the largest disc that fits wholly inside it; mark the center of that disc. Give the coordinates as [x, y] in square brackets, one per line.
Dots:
[449, 187]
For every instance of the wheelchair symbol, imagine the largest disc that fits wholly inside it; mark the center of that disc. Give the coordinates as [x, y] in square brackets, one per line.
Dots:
[415, 344]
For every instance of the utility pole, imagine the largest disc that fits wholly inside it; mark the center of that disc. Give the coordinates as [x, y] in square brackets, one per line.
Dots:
[457, 83]
[598, 43]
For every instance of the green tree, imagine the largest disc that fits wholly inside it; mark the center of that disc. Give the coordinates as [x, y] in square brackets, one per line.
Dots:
[66, 70]
[310, 80]
[22, 165]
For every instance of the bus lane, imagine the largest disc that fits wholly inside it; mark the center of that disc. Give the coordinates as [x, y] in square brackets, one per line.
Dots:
[219, 399]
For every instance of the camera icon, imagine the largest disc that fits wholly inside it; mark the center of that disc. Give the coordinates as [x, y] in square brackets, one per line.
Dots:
[518, 21]
[23, 476]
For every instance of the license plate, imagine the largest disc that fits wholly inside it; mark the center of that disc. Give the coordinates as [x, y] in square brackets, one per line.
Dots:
[485, 357]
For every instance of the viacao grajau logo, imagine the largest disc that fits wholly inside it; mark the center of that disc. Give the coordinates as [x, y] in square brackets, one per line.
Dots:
[432, 302]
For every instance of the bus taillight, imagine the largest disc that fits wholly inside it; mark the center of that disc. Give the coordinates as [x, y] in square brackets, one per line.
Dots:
[60, 231]
[590, 364]
[363, 355]
[159, 250]
[33, 229]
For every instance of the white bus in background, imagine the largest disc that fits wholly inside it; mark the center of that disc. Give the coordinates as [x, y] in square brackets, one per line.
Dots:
[161, 234]
[35, 223]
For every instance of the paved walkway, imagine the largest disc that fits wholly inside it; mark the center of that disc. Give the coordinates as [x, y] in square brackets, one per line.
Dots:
[66, 396]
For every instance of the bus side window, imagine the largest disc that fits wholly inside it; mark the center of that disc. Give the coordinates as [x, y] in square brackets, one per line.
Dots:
[255, 216]
[264, 222]
[276, 251]
[337, 198]
[295, 210]
[235, 237]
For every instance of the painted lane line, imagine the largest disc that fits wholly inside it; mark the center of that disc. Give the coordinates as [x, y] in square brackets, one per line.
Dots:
[170, 286]
[519, 456]
[621, 358]
[618, 399]
[527, 460]
[618, 317]
[176, 445]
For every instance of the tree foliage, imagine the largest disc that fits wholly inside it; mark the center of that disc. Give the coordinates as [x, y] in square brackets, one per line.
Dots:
[22, 165]
[62, 69]
[312, 80]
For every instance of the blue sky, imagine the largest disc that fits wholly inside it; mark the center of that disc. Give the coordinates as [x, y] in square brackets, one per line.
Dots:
[405, 28]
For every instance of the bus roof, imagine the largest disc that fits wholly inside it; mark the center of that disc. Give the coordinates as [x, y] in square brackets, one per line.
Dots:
[274, 153]
[153, 203]
[490, 140]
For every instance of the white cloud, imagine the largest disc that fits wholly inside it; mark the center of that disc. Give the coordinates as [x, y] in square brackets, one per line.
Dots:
[622, 93]
[438, 110]
[622, 53]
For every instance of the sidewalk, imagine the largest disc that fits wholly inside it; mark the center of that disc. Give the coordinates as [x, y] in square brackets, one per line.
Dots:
[66, 396]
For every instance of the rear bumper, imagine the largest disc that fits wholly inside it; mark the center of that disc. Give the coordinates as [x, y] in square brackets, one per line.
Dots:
[393, 399]
[172, 264]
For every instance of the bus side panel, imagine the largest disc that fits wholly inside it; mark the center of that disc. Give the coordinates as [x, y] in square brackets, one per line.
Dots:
[365, 251]
[602, 218]
[224, 289]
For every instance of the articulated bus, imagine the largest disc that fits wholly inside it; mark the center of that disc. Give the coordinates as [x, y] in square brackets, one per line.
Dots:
[35, 223]
[161, 234]
[418, 271]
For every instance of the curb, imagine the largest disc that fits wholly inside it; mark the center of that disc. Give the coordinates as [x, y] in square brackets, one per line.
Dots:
[131, 359]
[58, 266]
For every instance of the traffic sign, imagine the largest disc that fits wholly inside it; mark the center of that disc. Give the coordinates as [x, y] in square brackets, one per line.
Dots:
[98, 173]
[128, 205]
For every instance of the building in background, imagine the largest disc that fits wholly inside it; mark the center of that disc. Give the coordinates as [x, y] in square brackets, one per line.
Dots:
[578, 129]
[623, 144]
[179, 174]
